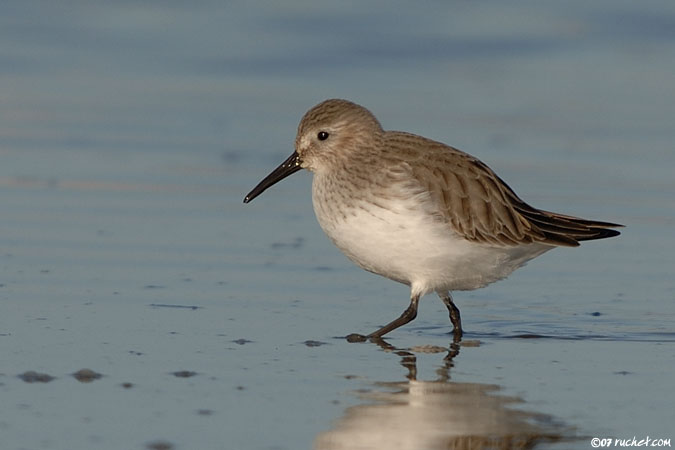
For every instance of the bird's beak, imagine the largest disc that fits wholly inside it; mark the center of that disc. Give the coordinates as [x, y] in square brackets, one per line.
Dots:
[286, 168]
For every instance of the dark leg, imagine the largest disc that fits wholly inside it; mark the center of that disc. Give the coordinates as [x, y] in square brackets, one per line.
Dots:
[454, 314]
[409, 314]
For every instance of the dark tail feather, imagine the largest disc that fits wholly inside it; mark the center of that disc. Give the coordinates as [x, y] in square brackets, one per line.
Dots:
[566, 230]
[560, 229]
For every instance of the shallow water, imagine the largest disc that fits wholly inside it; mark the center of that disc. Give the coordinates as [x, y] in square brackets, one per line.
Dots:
[130, 133]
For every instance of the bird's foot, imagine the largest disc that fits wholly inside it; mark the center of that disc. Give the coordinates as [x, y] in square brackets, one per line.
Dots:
[457, 334]
[355, 337]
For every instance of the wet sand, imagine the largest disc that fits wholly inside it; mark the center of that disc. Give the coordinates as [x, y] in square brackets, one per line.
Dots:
[143, 306]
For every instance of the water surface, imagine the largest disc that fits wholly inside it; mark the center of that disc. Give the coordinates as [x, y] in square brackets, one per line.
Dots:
[131, 131]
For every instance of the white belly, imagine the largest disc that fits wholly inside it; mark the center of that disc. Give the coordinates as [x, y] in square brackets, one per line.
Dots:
[403, 242]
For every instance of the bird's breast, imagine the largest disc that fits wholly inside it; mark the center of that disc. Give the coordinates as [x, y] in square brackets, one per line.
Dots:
[399, 237]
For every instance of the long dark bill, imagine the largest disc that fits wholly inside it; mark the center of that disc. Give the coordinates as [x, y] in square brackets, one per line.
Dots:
[286, 168]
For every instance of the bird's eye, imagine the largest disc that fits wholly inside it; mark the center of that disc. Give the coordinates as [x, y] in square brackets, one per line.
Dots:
[322, 136]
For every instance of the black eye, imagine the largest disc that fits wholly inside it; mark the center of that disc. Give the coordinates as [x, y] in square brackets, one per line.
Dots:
[322, 135]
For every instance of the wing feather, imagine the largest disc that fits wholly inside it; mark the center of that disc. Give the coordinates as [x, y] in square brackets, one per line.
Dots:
[480, 206]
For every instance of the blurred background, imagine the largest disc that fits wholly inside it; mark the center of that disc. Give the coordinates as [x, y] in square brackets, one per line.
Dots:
[131, 130]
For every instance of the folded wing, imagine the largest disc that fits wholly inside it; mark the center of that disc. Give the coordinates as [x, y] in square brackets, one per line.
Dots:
[481, 207]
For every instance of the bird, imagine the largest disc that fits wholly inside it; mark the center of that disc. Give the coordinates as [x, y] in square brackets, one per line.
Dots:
[418, 211]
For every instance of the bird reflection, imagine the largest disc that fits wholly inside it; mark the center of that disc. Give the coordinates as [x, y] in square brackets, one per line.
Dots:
[409, 359]
[439, 414]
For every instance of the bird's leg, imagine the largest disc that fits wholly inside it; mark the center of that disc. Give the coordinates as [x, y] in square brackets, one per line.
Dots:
[454, 314]
[409, 314]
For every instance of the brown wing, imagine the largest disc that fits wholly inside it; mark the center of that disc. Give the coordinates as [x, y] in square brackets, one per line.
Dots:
[481, 207]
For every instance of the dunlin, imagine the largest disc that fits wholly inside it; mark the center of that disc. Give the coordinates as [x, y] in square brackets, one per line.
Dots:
[418, 211]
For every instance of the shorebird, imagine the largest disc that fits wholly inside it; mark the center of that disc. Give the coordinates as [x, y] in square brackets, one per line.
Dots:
[418, 211]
